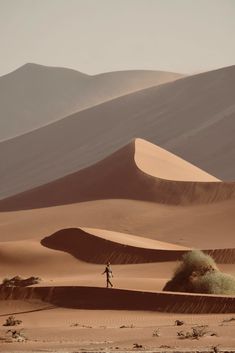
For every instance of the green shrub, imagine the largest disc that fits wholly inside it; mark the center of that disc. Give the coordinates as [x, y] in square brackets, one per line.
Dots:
[198, 273]
[194, 261]
[216, 283]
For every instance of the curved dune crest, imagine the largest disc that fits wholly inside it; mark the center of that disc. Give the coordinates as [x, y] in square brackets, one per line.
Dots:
[132, 240]
[119, 177]
[160, 163]
[99, 246]
[94, 248]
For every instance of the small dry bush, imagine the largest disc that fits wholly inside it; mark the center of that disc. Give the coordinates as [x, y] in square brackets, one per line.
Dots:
[198, 273]
[156, 332]
[13, 336]
[16, 335]
[127, 326]
[11, 321]
[196, 333]
[17, 281]
[179, 322]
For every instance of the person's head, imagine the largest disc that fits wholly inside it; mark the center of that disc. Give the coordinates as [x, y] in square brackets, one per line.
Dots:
[108, 263]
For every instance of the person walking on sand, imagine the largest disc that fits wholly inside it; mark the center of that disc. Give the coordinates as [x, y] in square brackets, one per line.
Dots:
[109, 274]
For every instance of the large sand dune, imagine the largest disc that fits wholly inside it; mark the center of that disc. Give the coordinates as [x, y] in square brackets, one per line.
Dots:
[36, 95]
[193, 117]
[138, 171]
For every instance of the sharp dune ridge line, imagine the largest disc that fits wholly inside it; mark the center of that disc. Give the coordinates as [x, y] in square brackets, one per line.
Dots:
[100, 246]
[131, 239]
[193, 117]
[118, 299]
[124, 175]
[35, 95]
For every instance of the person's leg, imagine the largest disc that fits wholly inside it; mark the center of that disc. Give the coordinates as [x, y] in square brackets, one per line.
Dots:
[110, 283]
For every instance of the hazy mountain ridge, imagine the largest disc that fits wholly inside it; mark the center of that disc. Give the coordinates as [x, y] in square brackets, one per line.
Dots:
[35, 95]
[192, 117]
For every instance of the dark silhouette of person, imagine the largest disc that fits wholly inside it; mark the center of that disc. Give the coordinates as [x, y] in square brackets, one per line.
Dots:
[109, 274]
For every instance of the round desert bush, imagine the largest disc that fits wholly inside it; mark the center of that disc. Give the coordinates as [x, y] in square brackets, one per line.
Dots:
[215, 283]
[198, 273]
[195, 261]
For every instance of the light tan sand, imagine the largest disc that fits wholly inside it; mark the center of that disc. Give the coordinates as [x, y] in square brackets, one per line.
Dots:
[162, 164]
[67, 245]
[132, 240]
[51, 329]
[190, 226]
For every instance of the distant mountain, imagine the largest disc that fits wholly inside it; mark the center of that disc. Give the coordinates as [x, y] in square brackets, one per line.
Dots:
[193, 117]
[36, 95]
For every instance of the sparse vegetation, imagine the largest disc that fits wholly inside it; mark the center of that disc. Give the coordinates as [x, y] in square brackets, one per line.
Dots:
[156, 333]
[228, 320]
[16, 335]
[127, 326]
[11, 321]
[76, 324]
[13, 336]
[198, 273]
[196, 333]
[17, 281]
[137, 345]
[179, 323]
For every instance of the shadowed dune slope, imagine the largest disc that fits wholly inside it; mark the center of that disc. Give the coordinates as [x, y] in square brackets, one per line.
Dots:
[119, 299]
[35, 95]
[119, 177]
[87, 246]
[90, 245]
[192, 117]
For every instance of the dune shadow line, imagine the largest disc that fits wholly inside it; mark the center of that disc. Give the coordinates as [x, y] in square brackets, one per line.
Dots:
[90, 248]
[119, 299]
[93, 249]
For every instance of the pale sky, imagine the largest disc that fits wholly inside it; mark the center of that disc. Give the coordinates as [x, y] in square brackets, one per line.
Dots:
[94, 36]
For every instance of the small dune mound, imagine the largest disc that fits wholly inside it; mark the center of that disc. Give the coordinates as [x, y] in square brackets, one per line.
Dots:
[198, 273]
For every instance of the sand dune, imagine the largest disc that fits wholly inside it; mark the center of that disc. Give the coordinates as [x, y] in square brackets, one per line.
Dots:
[193, 117]
[102, 298]
[36, 95]
[87, 246]
[204, 226]
[100, 330]
[100, 246]
[120, 176]
[95, 245]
